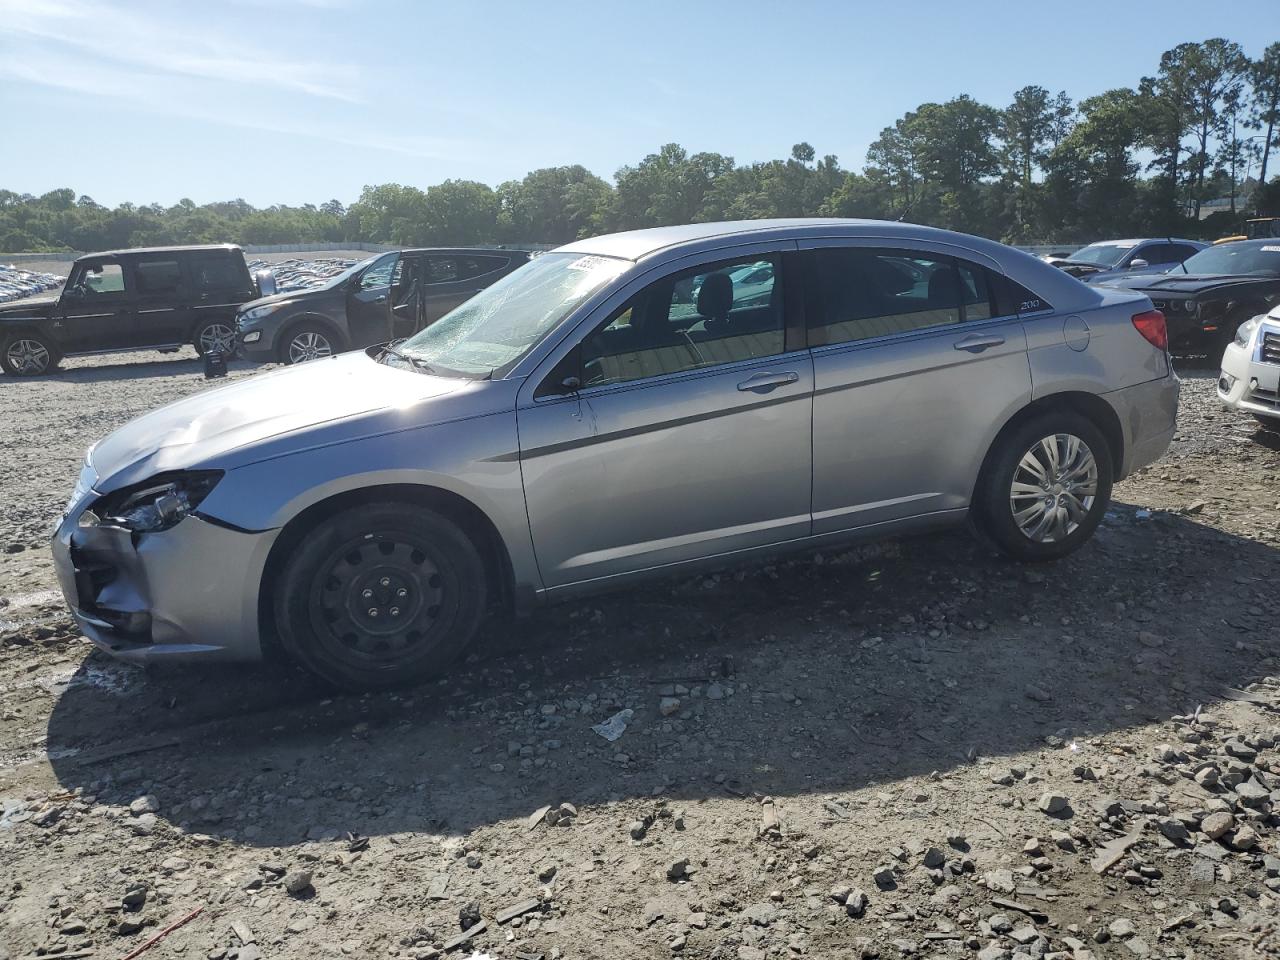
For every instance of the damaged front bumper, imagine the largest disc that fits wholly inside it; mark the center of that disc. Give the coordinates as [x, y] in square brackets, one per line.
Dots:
[189, 592]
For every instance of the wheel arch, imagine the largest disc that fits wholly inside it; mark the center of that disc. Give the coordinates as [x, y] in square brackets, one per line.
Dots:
[1088, 405]
[473, 521]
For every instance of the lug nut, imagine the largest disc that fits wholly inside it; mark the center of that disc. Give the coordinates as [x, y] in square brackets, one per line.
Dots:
[395, 611]
[385, 581]
[402, 592]
[373, 611]
[366, 593]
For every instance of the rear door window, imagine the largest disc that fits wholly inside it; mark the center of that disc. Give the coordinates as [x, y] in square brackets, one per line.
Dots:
[157, 277]
[214, 275]
[469, 267]
[861, 293]
[442, 269]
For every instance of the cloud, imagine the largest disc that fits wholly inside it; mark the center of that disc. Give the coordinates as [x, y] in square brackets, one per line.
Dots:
[127, 35]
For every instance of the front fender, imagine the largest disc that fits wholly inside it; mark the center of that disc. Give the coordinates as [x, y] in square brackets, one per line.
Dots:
[476, 459]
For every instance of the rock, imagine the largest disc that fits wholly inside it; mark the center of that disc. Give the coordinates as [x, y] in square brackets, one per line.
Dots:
[1138, 947]
[1217, 825]
[885, 878]
[855, 905]
[1166, 753]
[677, 870]
[1244, 838]
[134, 897]
[934, 858]
[144, 825]
[1252, 794]
[300, 924]
[297, 882]
[1124, 927]
[668, 706]
[547, 873]
[993, 951]
[1000, 923]
[1054, 804]
[840, 892]
[144, 804]
[72, 926]
[1025, 934]
[468, 915]
[715, 691]
[1174, 829]
[638, 829]
[128, 926]
[1039, 694]
[761, 914]
[1207, 777]
[1240, 750]
[1000, 881]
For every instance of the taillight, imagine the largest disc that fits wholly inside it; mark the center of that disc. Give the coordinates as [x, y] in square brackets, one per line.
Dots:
[1151, 325]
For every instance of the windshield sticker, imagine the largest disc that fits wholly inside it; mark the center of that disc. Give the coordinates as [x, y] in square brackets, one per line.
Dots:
[588, 263]
[1270, 248]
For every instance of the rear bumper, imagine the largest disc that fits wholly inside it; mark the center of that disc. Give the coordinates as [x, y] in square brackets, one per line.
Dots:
[188, 593]
[1248, 385]
[1148, 414]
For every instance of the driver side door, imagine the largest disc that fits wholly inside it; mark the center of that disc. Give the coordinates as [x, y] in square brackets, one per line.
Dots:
[97, 310]
[369, 302]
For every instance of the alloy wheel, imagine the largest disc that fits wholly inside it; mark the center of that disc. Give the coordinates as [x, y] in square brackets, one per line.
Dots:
[28, 356]
[309, 345]
[217, 337]
[1054, 488]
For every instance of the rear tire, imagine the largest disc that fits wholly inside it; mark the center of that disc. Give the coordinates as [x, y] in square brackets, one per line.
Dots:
[1045, 487]
[28, 354]
[381, 595]
[215, 335]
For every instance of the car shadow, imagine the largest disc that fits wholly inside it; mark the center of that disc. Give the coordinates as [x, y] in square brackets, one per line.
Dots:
[825, 673]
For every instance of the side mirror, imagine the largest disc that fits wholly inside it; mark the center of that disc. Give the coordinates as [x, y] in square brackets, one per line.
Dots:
[1137, 263]
[570, 385]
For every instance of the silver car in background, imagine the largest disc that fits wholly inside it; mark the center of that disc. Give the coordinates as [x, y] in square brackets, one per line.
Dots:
[617, 408]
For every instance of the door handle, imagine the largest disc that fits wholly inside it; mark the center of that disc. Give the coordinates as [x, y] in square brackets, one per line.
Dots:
[766, 382]
[381, 299]
[976, 342]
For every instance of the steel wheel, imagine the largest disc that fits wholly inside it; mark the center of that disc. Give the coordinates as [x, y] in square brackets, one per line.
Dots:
[1053, 489]
[216, 337]
[309, 345]
[378, 599]
[28, 357]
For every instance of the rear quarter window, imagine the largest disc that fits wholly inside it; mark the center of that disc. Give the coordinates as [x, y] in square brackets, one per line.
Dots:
[217, 275]
[1013, 299]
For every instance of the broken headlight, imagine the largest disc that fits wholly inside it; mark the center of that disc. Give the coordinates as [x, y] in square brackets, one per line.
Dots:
[158, 504]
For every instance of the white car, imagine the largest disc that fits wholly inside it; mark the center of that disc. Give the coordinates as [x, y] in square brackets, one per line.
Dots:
[1250, 377]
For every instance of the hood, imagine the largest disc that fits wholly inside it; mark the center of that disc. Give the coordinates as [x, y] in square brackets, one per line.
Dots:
[1185, 284]
[35, 307]
[293, 403]
[286, 297]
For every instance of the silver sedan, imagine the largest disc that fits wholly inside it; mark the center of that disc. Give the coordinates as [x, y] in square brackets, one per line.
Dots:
[621, 407]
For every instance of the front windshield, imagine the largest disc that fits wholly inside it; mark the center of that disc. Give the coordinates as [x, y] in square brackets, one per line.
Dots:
[502, 323]
[1237, 259]
[1101, 254]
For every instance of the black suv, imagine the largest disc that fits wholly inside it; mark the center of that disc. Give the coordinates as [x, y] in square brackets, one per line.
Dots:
[387, 297]
[155, 298]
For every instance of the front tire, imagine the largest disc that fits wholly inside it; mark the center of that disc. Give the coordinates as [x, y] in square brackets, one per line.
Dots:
[28, 354]
[381, 595]
[308, 341]
[1045, 487]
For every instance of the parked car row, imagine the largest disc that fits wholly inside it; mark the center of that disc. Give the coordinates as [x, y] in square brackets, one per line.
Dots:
[627, 406]
[16, 283]
[163, 298]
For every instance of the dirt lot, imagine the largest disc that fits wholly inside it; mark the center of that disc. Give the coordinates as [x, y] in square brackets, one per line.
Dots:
[912, 749]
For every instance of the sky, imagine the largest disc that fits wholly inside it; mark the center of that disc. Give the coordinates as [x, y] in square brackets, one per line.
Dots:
[302, 101]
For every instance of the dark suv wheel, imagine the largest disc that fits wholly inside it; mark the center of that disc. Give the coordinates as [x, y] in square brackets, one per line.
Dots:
[216, 335]
[1045, 486]
[308, 341]
[28, 354]
[380, 595]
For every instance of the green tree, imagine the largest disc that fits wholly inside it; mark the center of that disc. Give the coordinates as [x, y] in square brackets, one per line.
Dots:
[1264, 114]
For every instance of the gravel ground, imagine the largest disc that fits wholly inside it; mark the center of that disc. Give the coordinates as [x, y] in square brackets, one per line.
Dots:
[911, 749]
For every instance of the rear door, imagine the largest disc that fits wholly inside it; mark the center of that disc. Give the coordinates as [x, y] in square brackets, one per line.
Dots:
[455, 278]
[914, 371]
[163, 299]
[97, 310]
[369, 302]
[220, 282]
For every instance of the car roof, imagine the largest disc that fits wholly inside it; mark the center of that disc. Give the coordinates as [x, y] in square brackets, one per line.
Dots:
[143, 251]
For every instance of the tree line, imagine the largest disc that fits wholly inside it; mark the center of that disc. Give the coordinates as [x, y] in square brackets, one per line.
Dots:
[1141, 161]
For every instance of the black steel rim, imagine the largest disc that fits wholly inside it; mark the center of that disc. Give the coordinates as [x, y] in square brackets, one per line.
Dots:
[382, 599]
